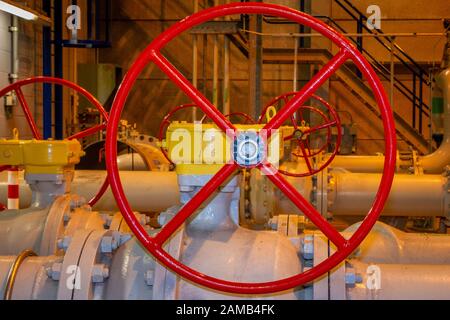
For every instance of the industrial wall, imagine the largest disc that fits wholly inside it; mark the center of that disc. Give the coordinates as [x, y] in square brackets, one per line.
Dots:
[136, 23]
[29, 65]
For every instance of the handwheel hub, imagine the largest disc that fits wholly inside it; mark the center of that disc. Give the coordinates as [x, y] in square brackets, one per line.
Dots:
[249, 149]
[298, 134]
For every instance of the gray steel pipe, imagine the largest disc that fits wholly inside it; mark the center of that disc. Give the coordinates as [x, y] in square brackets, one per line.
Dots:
[401, 281]
[385, 244]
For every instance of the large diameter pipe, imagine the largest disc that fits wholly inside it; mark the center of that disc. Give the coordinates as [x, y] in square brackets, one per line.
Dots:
[145, 191]
[401, 281]
[410, 195]
[385, 244]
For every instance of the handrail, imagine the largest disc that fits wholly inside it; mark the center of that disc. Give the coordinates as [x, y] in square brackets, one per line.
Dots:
[380, 68]
[379, 31]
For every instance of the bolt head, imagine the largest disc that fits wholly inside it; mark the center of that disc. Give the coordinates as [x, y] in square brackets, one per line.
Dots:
[64, 243]
[100, 272]
[108, 244]
[54, 272]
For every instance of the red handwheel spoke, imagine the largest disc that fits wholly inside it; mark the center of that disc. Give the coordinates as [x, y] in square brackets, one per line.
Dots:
[307, 209]
[188, 88]
[88, 132]
[307, 91]
[189, 208]
[100, 193]
[27, 112]
[305, 156]
[321, 127]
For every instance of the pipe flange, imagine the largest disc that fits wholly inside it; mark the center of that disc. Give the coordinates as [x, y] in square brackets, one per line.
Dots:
[86, 263]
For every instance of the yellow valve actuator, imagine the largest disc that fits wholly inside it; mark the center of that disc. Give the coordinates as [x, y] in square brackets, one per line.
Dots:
[41, 156]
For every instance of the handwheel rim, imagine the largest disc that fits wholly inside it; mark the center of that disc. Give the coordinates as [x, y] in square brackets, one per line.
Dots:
[150, 55]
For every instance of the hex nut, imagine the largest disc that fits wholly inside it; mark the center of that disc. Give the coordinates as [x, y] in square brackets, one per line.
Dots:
[54, 272]
[64, 243]
[100, 272]
[108, 244]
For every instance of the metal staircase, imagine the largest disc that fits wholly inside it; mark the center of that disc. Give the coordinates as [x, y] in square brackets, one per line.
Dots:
[355, 85]
[409, 130]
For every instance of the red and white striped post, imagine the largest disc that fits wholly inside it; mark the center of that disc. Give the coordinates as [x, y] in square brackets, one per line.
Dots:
[13, 188]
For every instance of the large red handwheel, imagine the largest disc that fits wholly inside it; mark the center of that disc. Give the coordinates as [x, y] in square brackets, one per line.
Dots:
[17, 88]
[301, 135]
[344, 247]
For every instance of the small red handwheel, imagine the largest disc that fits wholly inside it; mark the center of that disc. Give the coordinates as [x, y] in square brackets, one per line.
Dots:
[302, 134]
[242, 115]
[17, 88]
[154, 244]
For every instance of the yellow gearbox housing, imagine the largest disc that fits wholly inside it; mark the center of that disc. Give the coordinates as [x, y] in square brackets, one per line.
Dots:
[41, 156]
[203, 149]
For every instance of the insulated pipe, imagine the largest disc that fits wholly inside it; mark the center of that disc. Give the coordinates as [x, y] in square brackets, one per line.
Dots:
[352, 193]
[367, 164]
[411, 195]
[438, 160]
[146, 191]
